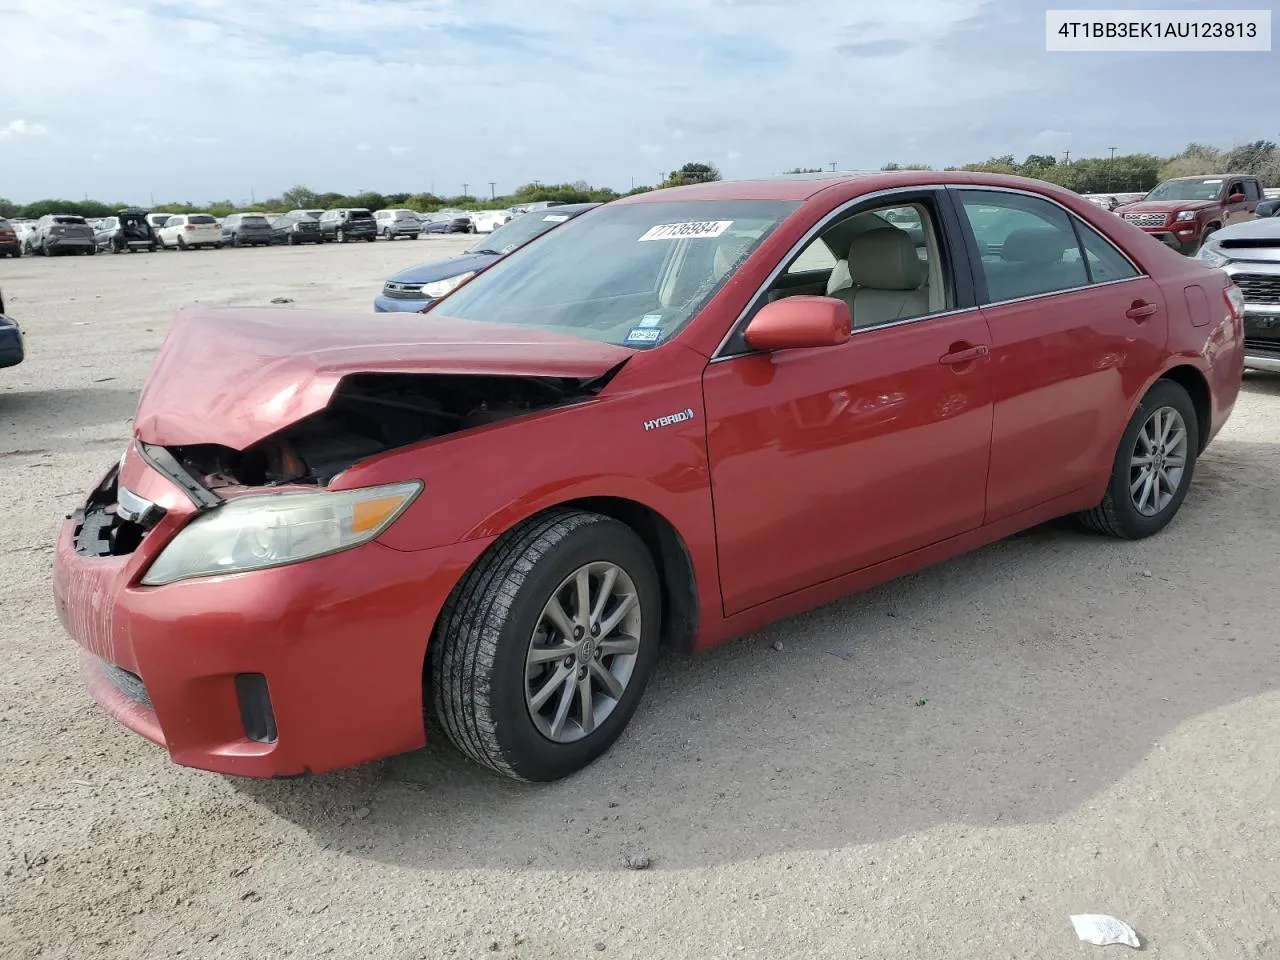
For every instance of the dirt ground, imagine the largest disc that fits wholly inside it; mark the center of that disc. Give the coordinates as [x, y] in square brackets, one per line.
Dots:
[947, 767]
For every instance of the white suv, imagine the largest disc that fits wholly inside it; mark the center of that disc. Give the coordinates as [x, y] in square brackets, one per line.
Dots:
[187, 231]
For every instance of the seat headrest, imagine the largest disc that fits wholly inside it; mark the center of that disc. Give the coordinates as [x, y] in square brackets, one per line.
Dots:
[728, 251]
[1038, 246]
[885, 259]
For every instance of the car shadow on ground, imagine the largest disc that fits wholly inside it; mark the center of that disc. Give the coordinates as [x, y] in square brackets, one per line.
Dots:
[1006, 687]
[1262, 382]
[65, 420]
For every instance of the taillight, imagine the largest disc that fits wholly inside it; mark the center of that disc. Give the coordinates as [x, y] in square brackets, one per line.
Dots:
[1235, 300]
[188, 227]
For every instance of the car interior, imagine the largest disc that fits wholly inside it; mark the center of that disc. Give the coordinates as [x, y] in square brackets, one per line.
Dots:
[886, 264]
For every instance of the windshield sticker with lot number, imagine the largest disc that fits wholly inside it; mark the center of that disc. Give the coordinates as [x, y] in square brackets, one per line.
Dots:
[692, 230]
[643, 335]
[555, 218]
[651, 320]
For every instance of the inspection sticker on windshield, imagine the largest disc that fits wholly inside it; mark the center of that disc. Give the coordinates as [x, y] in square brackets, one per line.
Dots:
[643, 335]
[692, 230]
[651, 320]
[555, 218]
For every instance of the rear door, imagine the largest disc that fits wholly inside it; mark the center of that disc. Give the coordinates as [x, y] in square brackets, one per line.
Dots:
[1076, 330]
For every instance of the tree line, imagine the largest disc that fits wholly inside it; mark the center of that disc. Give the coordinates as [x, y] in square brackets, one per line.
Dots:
[1122, 173]
[303, 198]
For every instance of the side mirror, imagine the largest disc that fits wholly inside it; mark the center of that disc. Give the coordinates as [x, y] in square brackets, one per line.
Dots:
[1236, 198]
[796, 322]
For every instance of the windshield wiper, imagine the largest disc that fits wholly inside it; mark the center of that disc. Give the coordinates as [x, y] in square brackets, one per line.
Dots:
[495, 253]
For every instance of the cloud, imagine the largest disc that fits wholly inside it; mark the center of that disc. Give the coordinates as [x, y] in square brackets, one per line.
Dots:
[22, 128]
[397, 151]
[586, 90]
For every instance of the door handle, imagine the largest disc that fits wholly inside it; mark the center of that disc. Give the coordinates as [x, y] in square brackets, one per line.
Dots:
[965, 355]
[1140, 310]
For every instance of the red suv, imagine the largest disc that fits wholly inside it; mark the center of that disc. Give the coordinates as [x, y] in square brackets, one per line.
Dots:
[667, 422]
[1183, 211]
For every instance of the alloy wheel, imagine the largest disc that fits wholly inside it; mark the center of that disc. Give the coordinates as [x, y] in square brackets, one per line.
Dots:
[583, 652]
[1158, 461]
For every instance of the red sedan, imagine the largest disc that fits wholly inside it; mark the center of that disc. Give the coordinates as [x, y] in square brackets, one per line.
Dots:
[674, 419]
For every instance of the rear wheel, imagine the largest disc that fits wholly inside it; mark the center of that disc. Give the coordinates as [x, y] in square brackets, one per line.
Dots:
[92, 250]
[386, 234]
[544, 648]
[372, 237]
[1153, 466]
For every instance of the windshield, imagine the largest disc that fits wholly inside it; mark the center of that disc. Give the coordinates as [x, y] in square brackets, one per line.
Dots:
[201, 218]
[253, 221]
[632, 274]
[518, 232]
[68, 219]
[1187, 190]
[359, 215]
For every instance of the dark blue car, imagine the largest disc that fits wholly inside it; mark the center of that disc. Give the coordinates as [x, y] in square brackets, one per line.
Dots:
[10, 339]
[413, 290]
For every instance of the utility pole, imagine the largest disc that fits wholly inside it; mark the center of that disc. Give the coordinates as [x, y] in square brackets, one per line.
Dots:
[464, 190]
[1067, 161]
[493, 193]
[833, 166]
[253, 198]
[1111, 169]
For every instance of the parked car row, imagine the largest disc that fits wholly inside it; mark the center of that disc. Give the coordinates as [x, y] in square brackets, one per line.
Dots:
[135, 228]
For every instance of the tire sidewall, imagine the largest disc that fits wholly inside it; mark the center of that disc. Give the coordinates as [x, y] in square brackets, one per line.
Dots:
[1165, 393]
[529, 753]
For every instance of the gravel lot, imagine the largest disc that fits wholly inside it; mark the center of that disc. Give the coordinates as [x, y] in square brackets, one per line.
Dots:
[946, 767]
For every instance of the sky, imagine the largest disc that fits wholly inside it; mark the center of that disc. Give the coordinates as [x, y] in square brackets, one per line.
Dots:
[205, 100]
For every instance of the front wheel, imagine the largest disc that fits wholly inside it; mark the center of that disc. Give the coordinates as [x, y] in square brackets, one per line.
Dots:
[91, 251]
[339, 235]
[544, 648]
[1153, 466]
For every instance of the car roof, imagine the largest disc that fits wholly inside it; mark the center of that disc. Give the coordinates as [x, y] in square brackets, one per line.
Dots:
[1215, 176]
[804, 186]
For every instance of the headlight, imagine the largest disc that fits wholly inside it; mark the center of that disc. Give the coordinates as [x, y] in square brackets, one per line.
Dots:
[1186, 215]
[441, 287]
[253, 532]
[1212, 257]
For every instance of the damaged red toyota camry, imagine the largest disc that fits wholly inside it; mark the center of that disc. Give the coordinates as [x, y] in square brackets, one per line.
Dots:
[676, 418]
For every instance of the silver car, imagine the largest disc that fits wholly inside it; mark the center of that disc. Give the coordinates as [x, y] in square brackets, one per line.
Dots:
[394, 224]
[1250, 254]
[62, 233]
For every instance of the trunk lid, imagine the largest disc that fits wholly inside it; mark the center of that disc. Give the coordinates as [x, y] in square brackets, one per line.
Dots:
[273, 367]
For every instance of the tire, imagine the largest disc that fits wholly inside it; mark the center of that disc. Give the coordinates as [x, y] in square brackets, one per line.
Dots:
[386, 234]
[1118, 515]
[46, 250]
[372, 238]
[151, 249]
[92, 251]
[17, 253]
[479, 689]
[292, 241]
[217, 245]
[182, 245]
[235, 239]
[340, 235]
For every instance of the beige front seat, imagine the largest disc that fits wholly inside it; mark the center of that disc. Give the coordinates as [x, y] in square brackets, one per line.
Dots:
[888, 278]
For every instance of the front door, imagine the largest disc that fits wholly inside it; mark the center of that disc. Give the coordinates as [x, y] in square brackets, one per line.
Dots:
[824, 461]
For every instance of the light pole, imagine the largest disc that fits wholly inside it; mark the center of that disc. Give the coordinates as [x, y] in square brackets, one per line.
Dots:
[464, 190]
[493, 193]
[1111, 170]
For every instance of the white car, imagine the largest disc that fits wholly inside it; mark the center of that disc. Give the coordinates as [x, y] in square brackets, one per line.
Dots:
[487, 221]
[394, 224]
[187, 231]
[157, 220]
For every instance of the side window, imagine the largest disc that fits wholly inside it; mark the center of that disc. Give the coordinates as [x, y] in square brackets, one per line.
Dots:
[815, 257]
[886, 263]
[1105, 262]
[1026, 245]
[1236, 187]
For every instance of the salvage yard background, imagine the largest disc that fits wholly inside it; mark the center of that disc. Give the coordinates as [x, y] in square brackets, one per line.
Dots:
[946, 767]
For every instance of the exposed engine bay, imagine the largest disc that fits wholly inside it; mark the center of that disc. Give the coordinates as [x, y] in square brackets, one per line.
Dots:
[371, 413]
